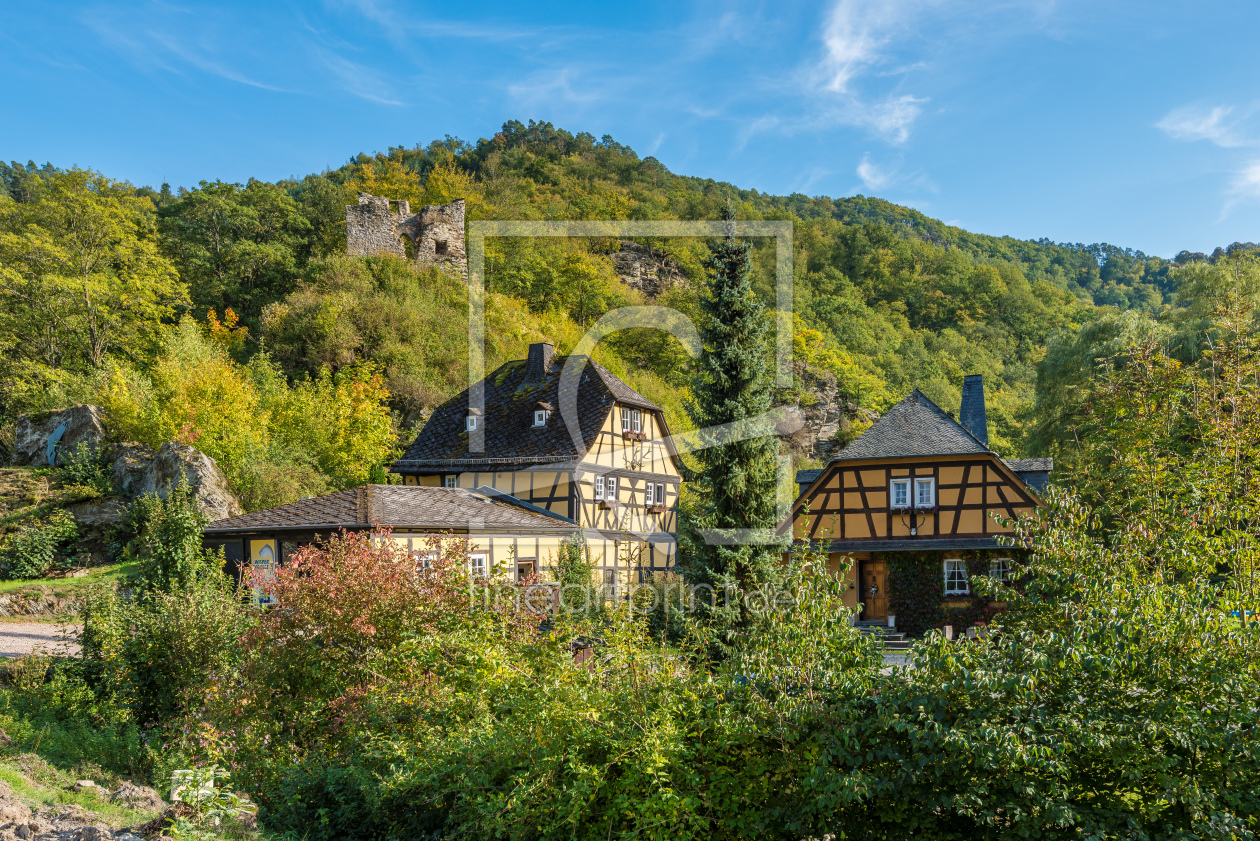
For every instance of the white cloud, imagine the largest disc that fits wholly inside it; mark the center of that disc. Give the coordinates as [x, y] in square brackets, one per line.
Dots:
[356, 79]
[856, 32]
[873, 176]
[1193, 122]
[1245, 187]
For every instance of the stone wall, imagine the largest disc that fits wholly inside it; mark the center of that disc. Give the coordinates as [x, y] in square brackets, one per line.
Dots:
[434, 236]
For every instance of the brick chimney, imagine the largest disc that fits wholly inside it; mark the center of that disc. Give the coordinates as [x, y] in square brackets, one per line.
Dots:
[539, 362]
[972, 415]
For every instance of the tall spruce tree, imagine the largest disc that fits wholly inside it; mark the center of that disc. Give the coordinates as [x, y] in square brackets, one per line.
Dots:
[735, 481]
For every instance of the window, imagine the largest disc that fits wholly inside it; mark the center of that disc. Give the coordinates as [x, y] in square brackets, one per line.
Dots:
[612, 488]
[540, 417]
[472, 422]
[599, 487]
[900, 493]
[477, 565]
[439, 246]
[649, 494]
[636, 420]
[956, 578]
[424, 560]
[625, 419]
[1000, 569]
[451, 481]
[610, 582]
[660, 494]
[924, 496]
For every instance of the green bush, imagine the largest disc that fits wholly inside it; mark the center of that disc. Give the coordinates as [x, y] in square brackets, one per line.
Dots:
[167, 538]
[89, 467]
[31, 551]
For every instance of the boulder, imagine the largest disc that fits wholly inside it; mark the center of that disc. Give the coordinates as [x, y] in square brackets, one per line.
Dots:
[47, 439]
[130, 462]
[179, 464]
[98, 512]
[137, 797]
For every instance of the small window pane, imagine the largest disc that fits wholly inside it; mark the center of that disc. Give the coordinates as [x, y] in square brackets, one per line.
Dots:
[636, 420]
[648, 494]
[612, 487]
[923, 493]
[956, 578]
[477, 563]
[599, 487]
[1000, 568]
[625, 420]
[900, 493]
[472, 422]
[450, 481]
[540, 418]
[660, 494]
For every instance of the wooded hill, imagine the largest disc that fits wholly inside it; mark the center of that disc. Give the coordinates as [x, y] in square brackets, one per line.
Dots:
[95, 272]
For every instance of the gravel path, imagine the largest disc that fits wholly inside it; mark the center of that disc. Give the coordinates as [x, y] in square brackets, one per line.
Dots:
[20, 638]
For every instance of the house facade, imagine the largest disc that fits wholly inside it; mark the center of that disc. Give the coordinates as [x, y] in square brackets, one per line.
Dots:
[610, 469]
[914, 502]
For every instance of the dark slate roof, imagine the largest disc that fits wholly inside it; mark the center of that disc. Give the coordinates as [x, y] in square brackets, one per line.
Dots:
[914, 427]
[511, 439]
[807, 477]
[1034, 472]
[400, 507]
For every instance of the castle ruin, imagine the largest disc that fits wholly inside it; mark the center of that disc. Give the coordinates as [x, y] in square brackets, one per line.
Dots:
[434, 236]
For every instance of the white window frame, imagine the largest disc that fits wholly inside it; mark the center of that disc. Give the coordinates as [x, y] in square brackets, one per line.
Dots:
[892, 493]
[1000, 569]
[649, 494]
[450, 481]
[625, 419]
[956, 565]
[660, 494]
[540, 417]
[610, 582]
[470, 423]
[478, 569]
[930, 483]
[599, 487]
[612, 488]
[424, 560]
[636, 420]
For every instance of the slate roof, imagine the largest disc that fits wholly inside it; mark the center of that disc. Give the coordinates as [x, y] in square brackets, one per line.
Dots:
[914, 427]
[400, 507]
[805, 478]
[511, 439]
[1034, 472]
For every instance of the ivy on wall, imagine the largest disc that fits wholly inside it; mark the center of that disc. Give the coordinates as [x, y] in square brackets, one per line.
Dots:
[916, 585]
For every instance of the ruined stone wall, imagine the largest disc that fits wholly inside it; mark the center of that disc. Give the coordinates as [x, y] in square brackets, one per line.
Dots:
[434, 236]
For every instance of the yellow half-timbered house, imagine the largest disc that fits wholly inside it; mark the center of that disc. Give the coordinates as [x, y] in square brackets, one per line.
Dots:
[922, 495]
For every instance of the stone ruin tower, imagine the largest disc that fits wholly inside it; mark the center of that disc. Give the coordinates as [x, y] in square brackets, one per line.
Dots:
[434, 236]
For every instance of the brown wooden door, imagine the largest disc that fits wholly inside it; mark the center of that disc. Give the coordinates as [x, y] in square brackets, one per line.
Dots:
[874, 590]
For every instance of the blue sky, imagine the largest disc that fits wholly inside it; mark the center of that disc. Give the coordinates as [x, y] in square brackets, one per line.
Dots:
[1131, 123]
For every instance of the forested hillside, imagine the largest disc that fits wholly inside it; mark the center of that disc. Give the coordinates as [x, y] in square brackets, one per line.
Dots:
[96, 274]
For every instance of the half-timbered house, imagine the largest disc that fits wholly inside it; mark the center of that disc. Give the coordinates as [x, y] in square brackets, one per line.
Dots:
[917, 503]
[610, 468]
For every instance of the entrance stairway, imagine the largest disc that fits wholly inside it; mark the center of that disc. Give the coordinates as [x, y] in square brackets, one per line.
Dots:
[892, 639]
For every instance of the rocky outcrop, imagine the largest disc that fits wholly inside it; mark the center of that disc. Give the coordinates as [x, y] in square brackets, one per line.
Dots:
[829, 418]
[127, 471]
[177, 464]
[37, 601]
[47, 439]
[646, 269]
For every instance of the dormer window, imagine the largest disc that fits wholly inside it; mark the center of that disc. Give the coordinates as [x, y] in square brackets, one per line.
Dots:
[471, 422]
[899, 493]
[540, 417]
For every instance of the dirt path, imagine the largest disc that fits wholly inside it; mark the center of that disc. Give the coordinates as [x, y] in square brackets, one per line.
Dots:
[20, 638]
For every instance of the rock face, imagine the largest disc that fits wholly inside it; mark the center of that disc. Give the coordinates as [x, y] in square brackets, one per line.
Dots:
[137, 797]
[179, 463]
[828, 418]
[646, 269]
[130, 462]
[46, 440]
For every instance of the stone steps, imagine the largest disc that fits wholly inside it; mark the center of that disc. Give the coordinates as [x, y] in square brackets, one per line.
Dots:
[892, 639]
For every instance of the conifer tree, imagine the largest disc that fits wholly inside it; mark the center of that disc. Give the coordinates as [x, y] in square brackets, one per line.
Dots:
[735, 481]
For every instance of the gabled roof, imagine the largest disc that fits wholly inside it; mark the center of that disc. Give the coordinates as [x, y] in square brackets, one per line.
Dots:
[401, 507]
[914, 427]
[1034, 472]
[511, 439]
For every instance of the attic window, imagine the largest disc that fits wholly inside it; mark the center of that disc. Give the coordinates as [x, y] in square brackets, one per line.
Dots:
[900, 493]
[540, 417]
[472, 422]
[631, 420]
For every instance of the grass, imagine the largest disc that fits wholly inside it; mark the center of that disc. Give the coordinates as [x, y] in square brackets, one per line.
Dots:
[34, 780]
[111, 575]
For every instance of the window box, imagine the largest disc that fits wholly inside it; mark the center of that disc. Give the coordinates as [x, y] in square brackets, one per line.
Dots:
[632, 435]
[657, 508]
[609, 504]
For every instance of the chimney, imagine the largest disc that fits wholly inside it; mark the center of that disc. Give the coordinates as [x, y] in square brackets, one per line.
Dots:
[971, 415]
[539, 362]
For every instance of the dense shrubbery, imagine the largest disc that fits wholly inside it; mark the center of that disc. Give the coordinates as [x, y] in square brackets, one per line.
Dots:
[31, 550]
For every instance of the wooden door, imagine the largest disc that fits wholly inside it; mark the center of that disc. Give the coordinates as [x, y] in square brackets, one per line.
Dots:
[874, 590]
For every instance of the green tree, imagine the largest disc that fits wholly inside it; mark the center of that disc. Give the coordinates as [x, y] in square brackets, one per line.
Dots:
[81, 275]
[735, 481]
[237, 247]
